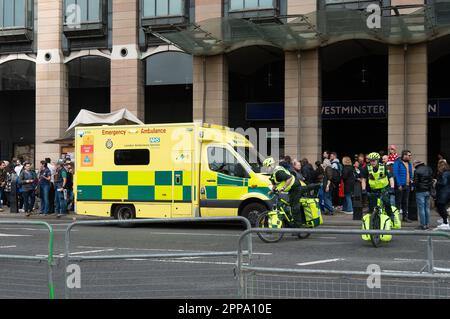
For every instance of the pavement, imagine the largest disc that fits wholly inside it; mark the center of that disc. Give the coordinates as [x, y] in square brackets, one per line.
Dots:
[339, 219]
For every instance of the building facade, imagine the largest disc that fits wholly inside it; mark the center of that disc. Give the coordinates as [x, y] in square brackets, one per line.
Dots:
[307, 75]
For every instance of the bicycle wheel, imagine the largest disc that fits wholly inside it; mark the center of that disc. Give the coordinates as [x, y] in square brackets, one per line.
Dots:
[375, 225]
[263, 222]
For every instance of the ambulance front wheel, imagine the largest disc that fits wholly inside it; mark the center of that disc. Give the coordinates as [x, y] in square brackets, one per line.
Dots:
[125, 212]
[252, 211]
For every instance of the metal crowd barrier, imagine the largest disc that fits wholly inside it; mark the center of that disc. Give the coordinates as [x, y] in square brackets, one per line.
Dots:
[27, 280]
[144, 277]
[272, 282]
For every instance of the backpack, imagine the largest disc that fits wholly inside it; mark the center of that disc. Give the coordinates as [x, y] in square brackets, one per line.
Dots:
[69, 183]
[336, 178]
[337, 174]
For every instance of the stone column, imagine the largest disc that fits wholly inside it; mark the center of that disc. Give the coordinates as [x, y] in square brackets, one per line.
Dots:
[210, 103]
[408, 114]
[408, 118]
[417, 90]
[303, 131]
[127, 69]
[303, 134]
[51, 80]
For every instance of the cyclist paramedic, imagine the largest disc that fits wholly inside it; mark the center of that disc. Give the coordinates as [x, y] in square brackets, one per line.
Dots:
[283, 181]
[379, 179]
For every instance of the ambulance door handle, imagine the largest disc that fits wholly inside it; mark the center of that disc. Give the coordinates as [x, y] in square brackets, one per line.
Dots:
[211, 180]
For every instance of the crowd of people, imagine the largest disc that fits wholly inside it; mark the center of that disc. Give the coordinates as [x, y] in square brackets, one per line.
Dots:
[44, 191]
[345, 184]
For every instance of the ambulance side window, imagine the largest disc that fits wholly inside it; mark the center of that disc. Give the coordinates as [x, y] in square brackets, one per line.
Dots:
[221, 160]
[132, 157]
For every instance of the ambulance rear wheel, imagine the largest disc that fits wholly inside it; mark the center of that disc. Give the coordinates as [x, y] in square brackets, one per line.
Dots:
[252, 211]
[125, 212]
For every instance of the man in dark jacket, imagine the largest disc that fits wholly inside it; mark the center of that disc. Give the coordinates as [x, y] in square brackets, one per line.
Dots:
[307, 171]
[423, 179]
[2, 182]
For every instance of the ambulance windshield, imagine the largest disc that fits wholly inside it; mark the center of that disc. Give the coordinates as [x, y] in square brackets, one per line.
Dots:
[252, 157]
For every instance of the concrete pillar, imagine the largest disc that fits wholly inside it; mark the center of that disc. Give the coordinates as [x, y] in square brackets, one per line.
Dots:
[51, 80]
[127, 69]
[408, 118]
[303, 131]
[210, 102]
[408, 125]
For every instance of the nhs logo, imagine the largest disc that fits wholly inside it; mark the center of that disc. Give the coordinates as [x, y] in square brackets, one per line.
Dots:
[155, 140]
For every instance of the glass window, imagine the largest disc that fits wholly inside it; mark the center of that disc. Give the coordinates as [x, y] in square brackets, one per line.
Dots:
[236, 4]
[90, 10]
[1, 13]
[19, 13]
[132, 157]
[8, 13]
[175, 8]
[149, 8]
[221, 160]
[83, 9]
[250, 4]
[169, 68]
[163, 8]
[266, 3]
[94, 10]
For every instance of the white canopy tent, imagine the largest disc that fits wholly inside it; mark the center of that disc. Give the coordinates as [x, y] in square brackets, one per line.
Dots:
[88, 118]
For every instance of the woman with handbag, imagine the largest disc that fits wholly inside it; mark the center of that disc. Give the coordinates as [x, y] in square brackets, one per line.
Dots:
[348, 182]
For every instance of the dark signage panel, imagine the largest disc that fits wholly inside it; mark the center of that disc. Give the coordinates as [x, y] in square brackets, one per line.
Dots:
[264, 111]
[347, 110]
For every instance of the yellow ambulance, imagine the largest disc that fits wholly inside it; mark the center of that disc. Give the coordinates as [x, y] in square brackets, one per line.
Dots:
[168, 171]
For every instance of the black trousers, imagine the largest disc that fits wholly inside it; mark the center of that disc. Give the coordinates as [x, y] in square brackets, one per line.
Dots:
[442, 210]
[294, 202]
[402, 200]
[51, 199]
[385, 198]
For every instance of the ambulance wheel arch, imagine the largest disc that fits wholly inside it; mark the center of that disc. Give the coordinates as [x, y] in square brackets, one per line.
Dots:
[123, 212]
[251, 208]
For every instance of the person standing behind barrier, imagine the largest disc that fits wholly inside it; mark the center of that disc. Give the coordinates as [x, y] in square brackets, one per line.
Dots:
[443, 193]
[325, 155]
[403, 174]
[2, 183]
[393, 156]
[362, 161]
[357, 192]
[326, 190]
[389, 165]
[307, 171]
[27, 179]
[318, 172]
[423, 180]
[51, 196]
[297, 169]
[60, 189]
[69, 185]
[348, 177]
[44, 187]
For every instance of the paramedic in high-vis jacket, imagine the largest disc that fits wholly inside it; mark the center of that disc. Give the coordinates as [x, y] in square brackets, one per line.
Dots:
[284, 181]
[380, 182]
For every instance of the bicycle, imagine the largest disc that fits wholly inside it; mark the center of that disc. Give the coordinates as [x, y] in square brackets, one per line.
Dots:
[378, 218]
[281, 217]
